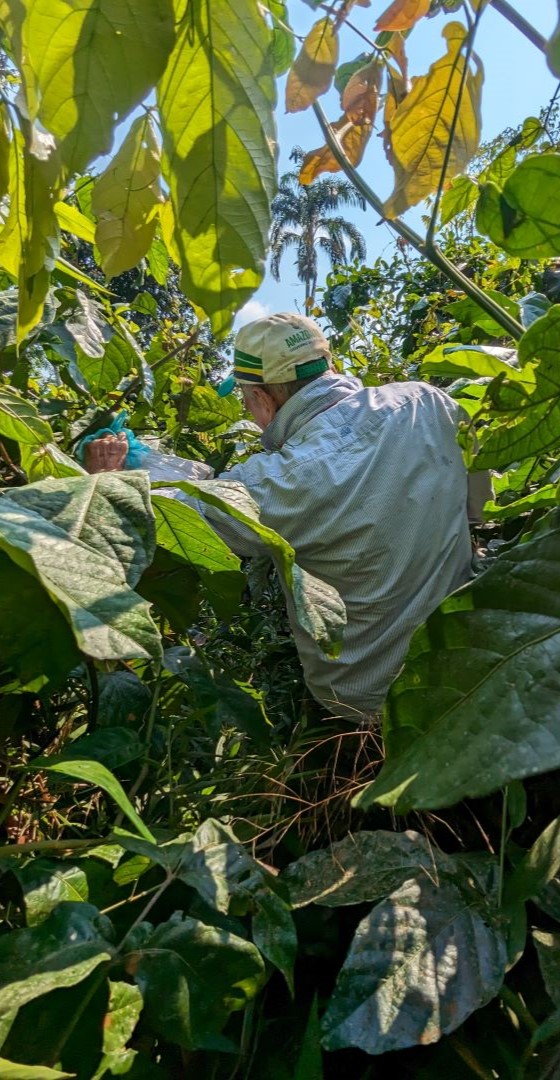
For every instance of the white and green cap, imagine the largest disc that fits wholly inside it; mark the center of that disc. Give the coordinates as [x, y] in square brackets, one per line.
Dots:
[278, 349]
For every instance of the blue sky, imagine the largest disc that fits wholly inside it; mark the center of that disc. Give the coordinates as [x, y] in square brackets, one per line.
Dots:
[517, 83]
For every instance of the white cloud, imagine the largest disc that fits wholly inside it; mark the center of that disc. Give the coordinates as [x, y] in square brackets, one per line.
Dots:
[252, 310]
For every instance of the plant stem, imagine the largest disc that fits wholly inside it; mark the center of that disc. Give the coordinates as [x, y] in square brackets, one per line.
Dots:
[503, 842]
[425, 248]
[149, 731]
[520, 24]
[51, 845]
[517, 1005]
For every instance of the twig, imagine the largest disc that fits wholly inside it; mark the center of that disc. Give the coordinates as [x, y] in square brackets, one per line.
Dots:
[520, 24]
[424, 248]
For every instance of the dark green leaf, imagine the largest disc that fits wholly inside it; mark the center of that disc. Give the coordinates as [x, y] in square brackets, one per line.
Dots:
[420, 963]
[469, 313]
[191, 977]
[309, 1065]
[464, 719]
[537, 868]
[365, 866]
[112, 746]
[548, 951]
[123, 699]
[46, 883]
[63, 950]
[274, 932]
[532, 307]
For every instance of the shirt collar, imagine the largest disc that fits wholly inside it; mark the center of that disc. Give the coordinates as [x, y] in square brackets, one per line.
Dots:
[317, 397]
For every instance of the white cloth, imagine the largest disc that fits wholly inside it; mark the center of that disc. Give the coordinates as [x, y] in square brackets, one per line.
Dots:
[369, 487]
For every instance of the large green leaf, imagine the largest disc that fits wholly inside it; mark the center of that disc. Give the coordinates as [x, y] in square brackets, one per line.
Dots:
[92, 63]
[20, 420]
[191, 977]
[92, 772]
[470, 361]
[477, 703]
[46, 883]
[73, 941]
[108, 619]
[210, 412]
[125, 1006]
[109, 512]
[219, 150]
[365, 866]
[318, 607]
[527, 423]
[88, 326]
[125, 199]
[181, 530]
[524, 218]
[105, 372]
[420, 963]
[274, 932]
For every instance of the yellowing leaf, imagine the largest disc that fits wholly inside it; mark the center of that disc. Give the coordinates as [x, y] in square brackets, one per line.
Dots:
[216, 104]
[354, 139]
[125, 200]
[93, 61]
[397, 90]
[359, 97]
[14, 231]
[73, 221]
[421, 126]
[403, 14]
[314, 67]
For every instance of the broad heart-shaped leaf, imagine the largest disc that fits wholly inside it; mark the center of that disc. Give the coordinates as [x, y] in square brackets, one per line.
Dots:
[314, 67]
[527, 424]
[209, 412]
[93, 772]
[19, 419]
[364, 866]
[110, 512]
[125, 199]
[104, 373]
[318, 607]
[45, 883]
[548, 952]
[402, 14]
[420, 963]
[461, 194]
[477, 703]
[108, 619]
[524, 218]
[73, 941]
[92, 63]
[43, 462]
[219, 150]
[421, 126]
[123, 699]
[191, 977]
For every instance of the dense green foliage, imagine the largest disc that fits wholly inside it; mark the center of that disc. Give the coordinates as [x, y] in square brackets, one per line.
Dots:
[199, 876]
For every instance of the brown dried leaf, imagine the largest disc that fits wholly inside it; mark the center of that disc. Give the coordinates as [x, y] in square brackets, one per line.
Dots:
[359, 97]
[347, 8]
[314, 67]
[354, 139]
[402, 14]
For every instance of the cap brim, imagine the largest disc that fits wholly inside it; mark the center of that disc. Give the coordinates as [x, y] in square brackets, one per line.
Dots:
[226, 386]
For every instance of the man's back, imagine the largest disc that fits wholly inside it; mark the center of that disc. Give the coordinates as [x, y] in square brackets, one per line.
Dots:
[369, 487]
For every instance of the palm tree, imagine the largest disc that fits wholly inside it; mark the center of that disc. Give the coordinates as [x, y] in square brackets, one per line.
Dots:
[301, 219]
